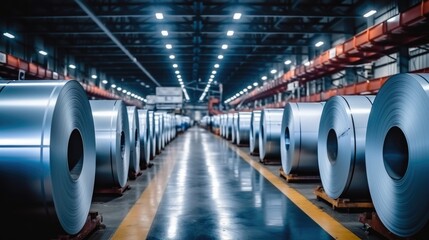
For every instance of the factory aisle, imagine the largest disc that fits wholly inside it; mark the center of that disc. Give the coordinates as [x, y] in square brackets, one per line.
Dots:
[212, 193]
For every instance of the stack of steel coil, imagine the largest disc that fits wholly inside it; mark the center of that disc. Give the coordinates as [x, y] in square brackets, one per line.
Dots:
[299, 135]
[341, 147]
[47, 166]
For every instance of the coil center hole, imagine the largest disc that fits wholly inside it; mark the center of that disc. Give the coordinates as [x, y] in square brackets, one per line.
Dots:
[395, 153]
[287, 138]
[332, 146]
[75, 154]
[136, 137]
[122, 145]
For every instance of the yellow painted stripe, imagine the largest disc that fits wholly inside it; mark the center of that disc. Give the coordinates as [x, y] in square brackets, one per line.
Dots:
[137, 223]
[325, 221]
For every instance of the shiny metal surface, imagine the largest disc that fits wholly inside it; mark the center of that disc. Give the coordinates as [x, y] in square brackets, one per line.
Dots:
[234, 128]
[341, 147]
[144, 138]
[134, 126]
[222, 197]
[229, 122]
[158, 128]
[243, 128]
[112, 136]
[269, 133]
[152, 134]
[299, 137]
[397, 150]
[47, 158]
[222, 122]
[255, 119]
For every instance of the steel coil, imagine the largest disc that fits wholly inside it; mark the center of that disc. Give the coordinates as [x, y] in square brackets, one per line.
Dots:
[228, 131]
[157, 133]
[269, 134]
[397, 153]
[144, 138]
[299, 132]
[152, 135]
[112, 136]
[222, 125]
[134, 126]
[234, 128]
[243, 128]
[341, 147]
[47, 152]
[255, 119]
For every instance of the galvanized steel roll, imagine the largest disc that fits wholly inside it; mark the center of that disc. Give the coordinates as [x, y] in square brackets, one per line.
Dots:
[145, 146]
[269, 134]
[228, 130]
[47, 152]
[157, 120]
[341, 147]
[397, 150]
[299, 135]
[112, 136]
[234, 127]
[243, 128]
[152, 135]
[223, 125]
[134, 126]
[255, 119]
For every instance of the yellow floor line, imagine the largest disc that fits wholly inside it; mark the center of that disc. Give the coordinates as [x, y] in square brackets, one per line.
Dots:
[137, 223]
[328, 223]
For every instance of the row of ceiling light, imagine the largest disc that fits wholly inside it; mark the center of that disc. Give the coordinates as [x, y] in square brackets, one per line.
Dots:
[224, 46]
[169, 46]
[287, 62]
[93, 76]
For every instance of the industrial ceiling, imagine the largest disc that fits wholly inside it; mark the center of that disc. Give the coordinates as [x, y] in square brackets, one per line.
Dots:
[235, 43]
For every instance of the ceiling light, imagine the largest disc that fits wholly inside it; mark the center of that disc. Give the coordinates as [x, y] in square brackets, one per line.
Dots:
[230, 33]
[104, 81]
[214, 72]
[264, 78]
[392, 19]
[370, 13]
[128, 93]
[249, 87]
[172, 57]
[236, 16]
[255, 84]
[9, 35]
[245, 90]
[168, 46]
[210, 80]
[241, 92]
[224, 46]
[72, 66]
[119, 89]
[212, 76]
[93, 76]
[175, 65]
[43, 52]
[216, 65]
[178, 76]
[177, 72]
[220, 57]
[133, 95]
[273, 71]
[124, 91]
[159, 16]
[180, 80]
[113, 86]
[147, 86]
[319, 43]
[164, 33]
[287, 62]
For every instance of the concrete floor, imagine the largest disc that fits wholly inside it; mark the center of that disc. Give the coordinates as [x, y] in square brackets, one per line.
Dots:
[212, 193]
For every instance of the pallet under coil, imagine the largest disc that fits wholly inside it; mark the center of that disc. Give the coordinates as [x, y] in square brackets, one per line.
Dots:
[340, 203]
[298, 178]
